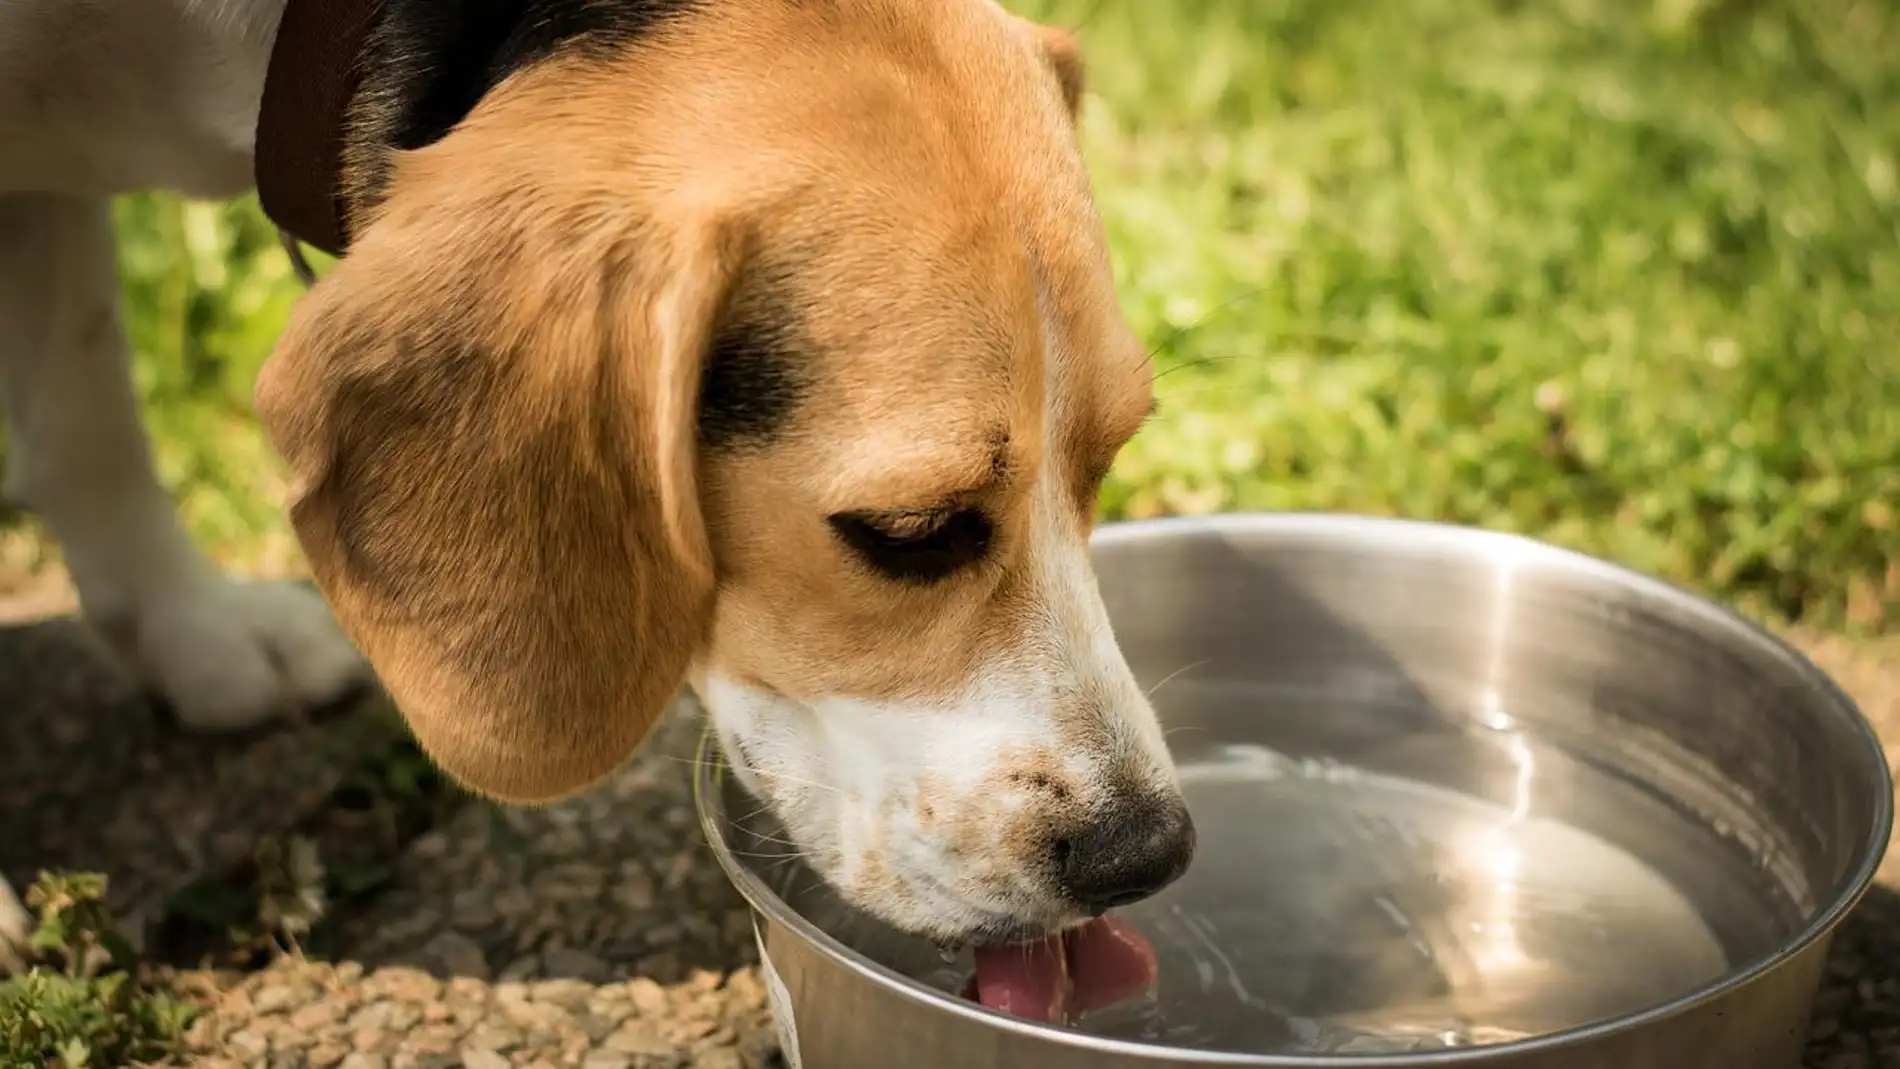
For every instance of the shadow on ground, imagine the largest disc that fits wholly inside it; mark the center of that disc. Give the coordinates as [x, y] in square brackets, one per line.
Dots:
[1856, 1020]
[93, 776]
[615, 883]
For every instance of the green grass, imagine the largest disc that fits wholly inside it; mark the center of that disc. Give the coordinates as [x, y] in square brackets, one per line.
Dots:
[1625, 276]
[86, 1003]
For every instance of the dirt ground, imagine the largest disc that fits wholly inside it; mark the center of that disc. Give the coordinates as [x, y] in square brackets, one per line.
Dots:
[594, 933]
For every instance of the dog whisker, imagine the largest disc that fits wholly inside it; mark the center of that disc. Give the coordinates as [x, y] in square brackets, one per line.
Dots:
[1165, 680]
[765, 773]
[778, 860]
[1201, 361]
[1307, 334]
[799, 781]
[773, 839]
[1176, 334]
[762, 809]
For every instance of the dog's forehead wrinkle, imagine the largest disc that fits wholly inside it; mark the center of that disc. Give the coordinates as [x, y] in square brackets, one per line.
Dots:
[901, 466]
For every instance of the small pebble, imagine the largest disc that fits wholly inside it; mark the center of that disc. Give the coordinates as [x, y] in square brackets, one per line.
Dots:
[639, 1038]
[476, 1058]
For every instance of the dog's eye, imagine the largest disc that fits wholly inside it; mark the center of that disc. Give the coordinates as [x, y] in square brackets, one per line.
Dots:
[915, 547]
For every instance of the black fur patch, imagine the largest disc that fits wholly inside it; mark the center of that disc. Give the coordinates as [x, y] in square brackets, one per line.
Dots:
[752, 380]
[427, 63]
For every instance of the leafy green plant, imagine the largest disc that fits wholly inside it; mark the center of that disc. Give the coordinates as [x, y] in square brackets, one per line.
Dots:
[83, 1005]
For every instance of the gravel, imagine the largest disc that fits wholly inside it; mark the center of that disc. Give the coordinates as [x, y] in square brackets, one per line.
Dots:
[611, 885]
[594, 933]
[400, 1017]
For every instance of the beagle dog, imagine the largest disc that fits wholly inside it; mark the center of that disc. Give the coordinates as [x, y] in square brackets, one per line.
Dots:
[766, 347]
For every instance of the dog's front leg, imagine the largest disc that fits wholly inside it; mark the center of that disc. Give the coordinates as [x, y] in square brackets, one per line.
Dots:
[225, 655]
[16, 930]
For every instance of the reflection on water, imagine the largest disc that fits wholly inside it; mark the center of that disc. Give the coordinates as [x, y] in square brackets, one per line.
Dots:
[1331, 909]
[1389, 915]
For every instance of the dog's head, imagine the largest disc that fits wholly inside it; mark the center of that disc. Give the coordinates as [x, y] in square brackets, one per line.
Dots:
[773, 349]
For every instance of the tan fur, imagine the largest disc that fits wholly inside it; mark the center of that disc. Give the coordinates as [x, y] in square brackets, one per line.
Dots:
[1065, 58]
[488, 406]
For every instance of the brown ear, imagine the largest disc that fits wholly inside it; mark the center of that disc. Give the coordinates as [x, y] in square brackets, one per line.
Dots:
[487, 409]
[1064, 56]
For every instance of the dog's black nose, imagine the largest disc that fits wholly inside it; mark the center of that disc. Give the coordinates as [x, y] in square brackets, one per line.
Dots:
[1127, 854]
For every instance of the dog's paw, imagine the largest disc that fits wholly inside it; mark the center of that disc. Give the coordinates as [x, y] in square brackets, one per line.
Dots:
[16, 928]
[230, 656]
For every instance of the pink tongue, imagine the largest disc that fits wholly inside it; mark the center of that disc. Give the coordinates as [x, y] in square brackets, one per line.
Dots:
[1096, 965]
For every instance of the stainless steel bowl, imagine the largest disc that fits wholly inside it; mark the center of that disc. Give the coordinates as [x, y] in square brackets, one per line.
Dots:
[1463, 799]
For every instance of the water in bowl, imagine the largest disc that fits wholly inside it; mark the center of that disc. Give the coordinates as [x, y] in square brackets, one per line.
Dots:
[1338, 907]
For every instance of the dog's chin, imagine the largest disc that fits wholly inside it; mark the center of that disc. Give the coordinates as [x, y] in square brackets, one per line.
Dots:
[924, 903]
[961, 925]
[928, 909]
[1017, 931]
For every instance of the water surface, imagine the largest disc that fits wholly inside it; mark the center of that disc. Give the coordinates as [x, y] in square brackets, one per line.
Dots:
[1337, 908]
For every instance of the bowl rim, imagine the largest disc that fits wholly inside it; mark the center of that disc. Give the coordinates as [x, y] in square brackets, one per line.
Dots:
[709, 763]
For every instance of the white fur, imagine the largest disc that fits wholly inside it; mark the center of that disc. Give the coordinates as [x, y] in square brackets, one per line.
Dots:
[103, 97]
[844, 775]
[15, 924]
[97, 98]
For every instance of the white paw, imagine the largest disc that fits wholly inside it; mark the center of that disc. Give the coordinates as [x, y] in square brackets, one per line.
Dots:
[232, 655]
[16, 927]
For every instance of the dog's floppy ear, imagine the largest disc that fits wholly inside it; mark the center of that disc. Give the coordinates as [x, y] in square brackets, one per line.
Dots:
[1064, 56]
[488, 412]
